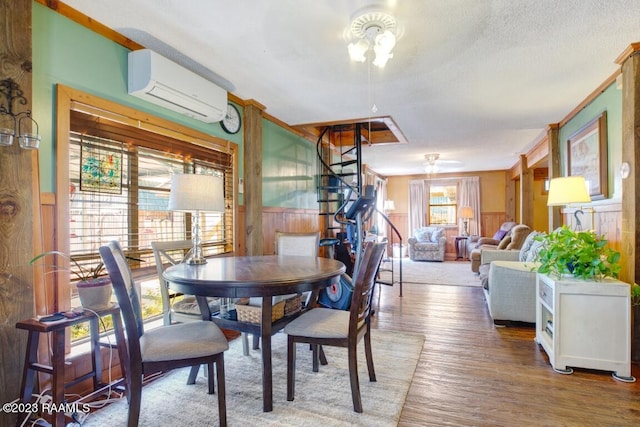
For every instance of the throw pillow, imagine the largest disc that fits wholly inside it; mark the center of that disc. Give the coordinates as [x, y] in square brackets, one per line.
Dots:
[504, 242]
[526, 246]
[423, 235]
[533, 251]
[436, 235]
[499, 235]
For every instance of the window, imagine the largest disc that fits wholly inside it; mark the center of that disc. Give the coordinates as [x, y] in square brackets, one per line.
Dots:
[119, 180]
[442, 204]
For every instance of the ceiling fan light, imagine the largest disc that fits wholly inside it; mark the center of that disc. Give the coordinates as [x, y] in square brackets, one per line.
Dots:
[385, 41]
[381, 58]
[358, 49]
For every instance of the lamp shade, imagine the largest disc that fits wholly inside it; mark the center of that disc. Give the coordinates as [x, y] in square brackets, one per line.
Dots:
[466, 212]
[568, 189]
[194, 192]
[389, 205]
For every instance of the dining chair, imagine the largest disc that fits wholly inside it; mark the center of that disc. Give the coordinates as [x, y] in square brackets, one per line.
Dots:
[163, 348]
[290, 244]
[167, 253]
[330, 327]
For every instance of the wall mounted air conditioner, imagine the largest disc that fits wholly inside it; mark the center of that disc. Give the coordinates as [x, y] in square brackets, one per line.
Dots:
[160, 81]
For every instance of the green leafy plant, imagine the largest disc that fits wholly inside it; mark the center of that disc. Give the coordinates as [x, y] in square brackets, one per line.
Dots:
[583, 254]
[635, 294]
[83, 273]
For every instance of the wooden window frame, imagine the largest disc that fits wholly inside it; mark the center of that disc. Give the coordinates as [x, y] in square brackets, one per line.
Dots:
[68, 100]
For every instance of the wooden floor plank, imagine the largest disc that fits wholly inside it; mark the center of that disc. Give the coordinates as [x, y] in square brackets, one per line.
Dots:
[471, 373]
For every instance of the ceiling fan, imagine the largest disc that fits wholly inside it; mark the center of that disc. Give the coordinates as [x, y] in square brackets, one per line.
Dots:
[433, 163]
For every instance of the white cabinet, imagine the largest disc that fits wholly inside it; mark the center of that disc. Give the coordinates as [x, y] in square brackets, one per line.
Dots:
[585, 324]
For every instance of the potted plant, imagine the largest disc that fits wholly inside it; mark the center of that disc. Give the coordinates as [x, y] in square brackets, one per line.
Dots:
[582, 254]
[94, 287]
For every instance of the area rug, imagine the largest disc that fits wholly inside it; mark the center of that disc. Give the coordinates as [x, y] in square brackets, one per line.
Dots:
[454, 273]
[322, 398]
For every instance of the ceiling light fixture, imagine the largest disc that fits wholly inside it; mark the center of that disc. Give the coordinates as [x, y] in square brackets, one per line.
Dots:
[430, 165]
[373, 29]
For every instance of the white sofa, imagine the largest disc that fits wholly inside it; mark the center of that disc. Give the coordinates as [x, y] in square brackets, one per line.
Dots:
[509, 282]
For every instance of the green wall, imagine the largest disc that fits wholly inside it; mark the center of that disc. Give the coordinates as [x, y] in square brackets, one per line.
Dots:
[610, 101]
[289, 166]
[68, 53]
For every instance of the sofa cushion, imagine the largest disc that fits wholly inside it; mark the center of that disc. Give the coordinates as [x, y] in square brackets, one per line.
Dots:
[506, 240]
[426, 246]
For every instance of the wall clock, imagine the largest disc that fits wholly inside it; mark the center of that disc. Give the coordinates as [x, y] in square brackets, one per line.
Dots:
[232, 120]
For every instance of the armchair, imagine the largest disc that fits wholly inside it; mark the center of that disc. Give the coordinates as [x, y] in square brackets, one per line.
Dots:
[513, 240]
[427, 244]
[477, 241]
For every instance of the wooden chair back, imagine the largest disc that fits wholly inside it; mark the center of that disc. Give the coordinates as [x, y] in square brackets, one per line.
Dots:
[364, 284]
[297, 244]
[166, 254]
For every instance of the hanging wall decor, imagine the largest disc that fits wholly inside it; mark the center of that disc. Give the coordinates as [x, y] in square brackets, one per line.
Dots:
[101, 169]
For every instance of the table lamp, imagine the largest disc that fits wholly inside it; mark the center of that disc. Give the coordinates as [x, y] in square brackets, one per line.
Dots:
[466, 213]
[196, 193]
[389, 206]
[569, 189]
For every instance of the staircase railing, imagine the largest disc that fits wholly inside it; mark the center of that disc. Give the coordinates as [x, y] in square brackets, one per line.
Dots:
[344, 203]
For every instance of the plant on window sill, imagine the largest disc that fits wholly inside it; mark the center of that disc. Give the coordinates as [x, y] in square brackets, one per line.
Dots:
[582, 254]
[83, 274]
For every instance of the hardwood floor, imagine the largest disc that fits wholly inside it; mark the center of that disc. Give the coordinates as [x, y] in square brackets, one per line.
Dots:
[471, 373]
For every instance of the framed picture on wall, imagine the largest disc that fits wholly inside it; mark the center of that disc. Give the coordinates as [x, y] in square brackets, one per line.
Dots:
[587, 156]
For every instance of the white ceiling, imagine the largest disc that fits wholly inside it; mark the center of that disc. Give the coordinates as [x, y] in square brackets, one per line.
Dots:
[474, 80]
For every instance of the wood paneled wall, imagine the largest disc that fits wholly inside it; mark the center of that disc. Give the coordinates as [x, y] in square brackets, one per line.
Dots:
[605, 219]
[275, 219]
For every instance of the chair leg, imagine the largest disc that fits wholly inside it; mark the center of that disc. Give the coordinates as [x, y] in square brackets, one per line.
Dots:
[353, 378]
[210, 381]
[222, 397]
[245, 344]
[369, 355]
[323, 357]
[256, 342]
[291, 367]
[193, 374]
[315, 357]
[135, 398]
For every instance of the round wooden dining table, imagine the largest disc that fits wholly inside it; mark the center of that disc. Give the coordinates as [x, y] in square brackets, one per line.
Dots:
[255, 276]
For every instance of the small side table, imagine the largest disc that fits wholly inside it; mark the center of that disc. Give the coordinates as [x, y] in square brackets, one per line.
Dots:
[56, 370]
[461, 253]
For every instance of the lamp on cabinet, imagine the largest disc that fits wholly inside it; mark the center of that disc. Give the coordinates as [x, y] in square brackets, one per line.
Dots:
[566, 190]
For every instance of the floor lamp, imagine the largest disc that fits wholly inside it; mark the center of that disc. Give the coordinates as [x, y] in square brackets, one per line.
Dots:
[566, 190]
[196, 193]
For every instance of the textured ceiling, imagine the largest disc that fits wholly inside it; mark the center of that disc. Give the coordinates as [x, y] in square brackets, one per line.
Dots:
[474, 80]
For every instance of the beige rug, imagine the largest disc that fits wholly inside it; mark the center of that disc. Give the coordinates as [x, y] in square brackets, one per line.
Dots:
[322, 399]
[455, 273]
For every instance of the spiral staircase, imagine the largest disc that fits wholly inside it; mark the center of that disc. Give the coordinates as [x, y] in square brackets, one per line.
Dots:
[346, 204]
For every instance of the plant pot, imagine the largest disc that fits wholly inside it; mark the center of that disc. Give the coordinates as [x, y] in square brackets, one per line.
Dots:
[95, 294]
